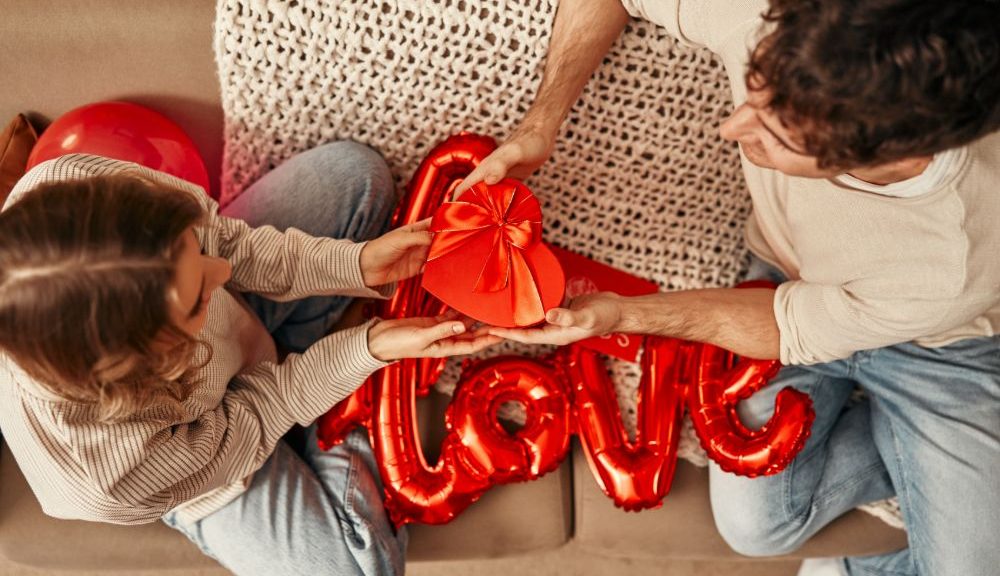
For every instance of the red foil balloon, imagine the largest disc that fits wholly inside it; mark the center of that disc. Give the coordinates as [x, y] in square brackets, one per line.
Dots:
[635, 475]
[123, 131]
[490, 451]
[415, 491]
[477, 453]
[720, 386]
[353, 411]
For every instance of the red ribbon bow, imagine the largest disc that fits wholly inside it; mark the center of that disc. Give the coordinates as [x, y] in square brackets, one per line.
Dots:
[510, 213]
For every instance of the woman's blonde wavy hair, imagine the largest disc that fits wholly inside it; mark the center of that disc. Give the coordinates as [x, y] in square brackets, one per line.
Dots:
[86, 267]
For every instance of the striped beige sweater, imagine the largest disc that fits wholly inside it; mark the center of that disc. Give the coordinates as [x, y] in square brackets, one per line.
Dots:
[135, 471]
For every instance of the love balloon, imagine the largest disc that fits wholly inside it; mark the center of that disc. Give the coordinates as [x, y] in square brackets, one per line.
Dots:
[565, 393]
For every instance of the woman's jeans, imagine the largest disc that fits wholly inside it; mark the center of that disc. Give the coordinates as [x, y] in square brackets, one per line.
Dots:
[927, 431]
[313, 513]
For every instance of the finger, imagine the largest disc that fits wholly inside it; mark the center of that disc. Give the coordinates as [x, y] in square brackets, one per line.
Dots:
[532, 336]
[459, 347]
[441, 331]
[421, 225]
[473, 334]
[474, 177]
[449, 314]
[419, 254]
[479, 343]
[469, 322]
[412, 322]
[481, 331]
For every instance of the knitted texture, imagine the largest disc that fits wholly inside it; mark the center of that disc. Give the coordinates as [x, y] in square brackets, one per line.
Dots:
[639, 180]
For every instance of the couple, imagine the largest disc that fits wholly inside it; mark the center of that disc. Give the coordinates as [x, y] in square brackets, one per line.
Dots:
[138, 323]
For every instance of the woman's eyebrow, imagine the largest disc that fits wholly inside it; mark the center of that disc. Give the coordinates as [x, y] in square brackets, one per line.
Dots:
[197, 303]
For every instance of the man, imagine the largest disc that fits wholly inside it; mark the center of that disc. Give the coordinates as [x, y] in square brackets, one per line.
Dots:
[868, 137]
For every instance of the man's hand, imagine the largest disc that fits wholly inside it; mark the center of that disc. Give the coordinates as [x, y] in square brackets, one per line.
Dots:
[396, 255]
[582, 33]
[589, 315]
[518, 157]
[438, 337]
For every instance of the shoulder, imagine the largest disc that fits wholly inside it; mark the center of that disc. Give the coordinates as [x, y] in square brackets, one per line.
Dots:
[705, 23]
[16, 382]
[985, 160]
[978, 193]
[68, 167]
[83, 166]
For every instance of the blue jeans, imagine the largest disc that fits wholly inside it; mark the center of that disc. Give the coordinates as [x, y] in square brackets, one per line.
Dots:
[928, 431]
[316, 512]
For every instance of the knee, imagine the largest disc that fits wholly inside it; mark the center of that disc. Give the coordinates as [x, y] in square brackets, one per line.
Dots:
[752, 534]
[751, 522]
[365, 168]
[364, 185]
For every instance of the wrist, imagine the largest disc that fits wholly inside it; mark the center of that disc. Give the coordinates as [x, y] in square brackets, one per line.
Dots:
[375, 343]
[542, 122]
[365, 264]
[617, 304]
[627, 320]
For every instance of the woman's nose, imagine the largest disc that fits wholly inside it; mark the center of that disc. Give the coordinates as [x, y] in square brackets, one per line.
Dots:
[220, 270]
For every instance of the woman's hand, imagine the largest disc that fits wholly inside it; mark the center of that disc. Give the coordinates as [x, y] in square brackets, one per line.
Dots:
[518, 157]
[396, 255]
[589, 315]
[438, 337]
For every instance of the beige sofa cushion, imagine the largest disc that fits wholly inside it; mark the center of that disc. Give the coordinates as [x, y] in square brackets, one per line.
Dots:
[683, 527]
[507, 521]
[57, 55]
[27, 536]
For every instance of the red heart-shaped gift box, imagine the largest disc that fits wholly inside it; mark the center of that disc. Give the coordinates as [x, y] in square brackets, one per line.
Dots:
[487, 259]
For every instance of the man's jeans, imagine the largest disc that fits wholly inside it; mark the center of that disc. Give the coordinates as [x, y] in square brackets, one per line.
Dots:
[317, 512]
[928, 431]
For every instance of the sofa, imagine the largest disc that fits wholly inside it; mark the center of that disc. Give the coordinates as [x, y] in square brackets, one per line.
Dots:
[55, 56]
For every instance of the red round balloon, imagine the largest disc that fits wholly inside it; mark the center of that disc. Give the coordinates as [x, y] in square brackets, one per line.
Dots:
[123, 131]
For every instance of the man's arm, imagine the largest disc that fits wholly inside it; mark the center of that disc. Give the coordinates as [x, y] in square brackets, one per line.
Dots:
[739, 320]
[582, 34]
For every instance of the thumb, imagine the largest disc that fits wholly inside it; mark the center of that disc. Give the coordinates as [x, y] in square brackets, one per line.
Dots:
[414, 238]
[561, 317]
[440, 331]
[491, 170]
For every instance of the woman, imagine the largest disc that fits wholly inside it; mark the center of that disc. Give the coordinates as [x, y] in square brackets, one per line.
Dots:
[140, 379]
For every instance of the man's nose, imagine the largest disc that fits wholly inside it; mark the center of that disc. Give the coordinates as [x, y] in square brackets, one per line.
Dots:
[738, 124]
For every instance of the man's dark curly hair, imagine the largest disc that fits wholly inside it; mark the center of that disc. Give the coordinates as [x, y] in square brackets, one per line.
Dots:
[871, 81]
